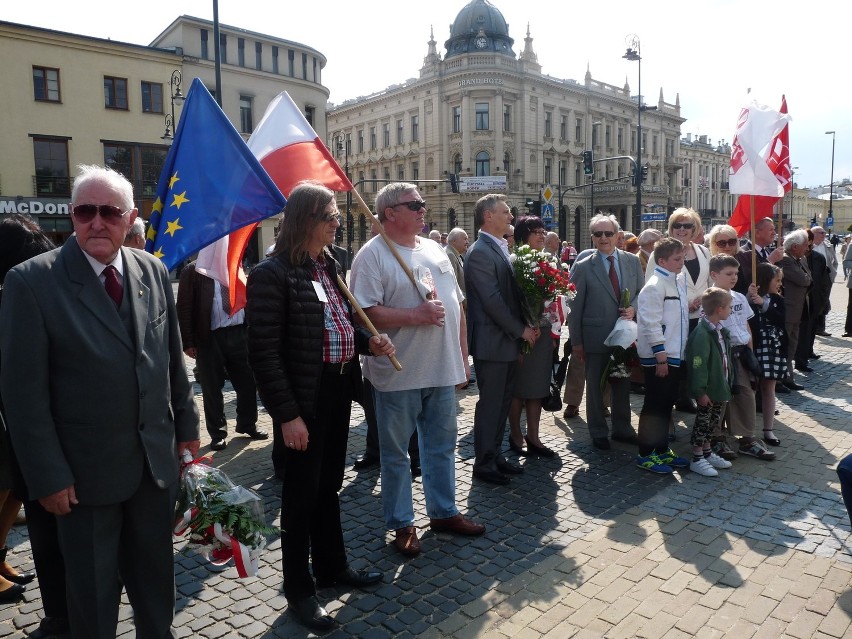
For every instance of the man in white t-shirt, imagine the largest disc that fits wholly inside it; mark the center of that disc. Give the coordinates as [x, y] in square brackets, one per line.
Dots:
[424, 319]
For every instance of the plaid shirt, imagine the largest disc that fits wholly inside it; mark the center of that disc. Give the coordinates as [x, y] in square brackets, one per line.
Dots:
[338, 338]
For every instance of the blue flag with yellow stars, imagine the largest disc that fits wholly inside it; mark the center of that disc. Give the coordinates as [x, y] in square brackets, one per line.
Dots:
[211, 183]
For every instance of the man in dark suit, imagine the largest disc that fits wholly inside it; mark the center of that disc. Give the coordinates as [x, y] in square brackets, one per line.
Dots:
[600, 279]
[764, 236]
[216, 339]
[495, 329]
[99, 407]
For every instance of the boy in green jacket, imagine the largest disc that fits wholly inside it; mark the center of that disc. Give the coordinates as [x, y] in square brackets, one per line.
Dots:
[709, 377]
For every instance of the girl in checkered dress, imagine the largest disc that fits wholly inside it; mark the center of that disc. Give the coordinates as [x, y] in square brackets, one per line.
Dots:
[770, 341]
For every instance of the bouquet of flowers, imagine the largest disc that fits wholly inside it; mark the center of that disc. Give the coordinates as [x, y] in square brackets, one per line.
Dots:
[541, 279]
[622, 339]
[223, 520]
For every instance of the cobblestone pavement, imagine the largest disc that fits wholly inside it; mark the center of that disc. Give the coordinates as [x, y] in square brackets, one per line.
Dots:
[583, 545]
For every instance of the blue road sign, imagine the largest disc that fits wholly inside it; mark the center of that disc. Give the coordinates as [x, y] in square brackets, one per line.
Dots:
[829, 221]
[653, 217]
[546, 211]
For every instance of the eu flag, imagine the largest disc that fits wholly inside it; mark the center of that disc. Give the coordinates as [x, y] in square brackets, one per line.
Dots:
[211, 183]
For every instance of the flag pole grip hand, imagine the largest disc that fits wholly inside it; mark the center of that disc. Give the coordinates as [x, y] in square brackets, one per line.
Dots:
[364, 318]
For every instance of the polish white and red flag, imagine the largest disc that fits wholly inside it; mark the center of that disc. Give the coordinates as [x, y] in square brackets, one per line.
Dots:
[760, 163]
[290, 150]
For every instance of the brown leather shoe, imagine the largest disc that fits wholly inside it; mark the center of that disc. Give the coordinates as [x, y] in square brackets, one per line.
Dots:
[571, 411]
[457, 524]
[407, 542]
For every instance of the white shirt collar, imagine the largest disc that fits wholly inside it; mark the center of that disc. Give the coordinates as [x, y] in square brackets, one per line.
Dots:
[99, 267]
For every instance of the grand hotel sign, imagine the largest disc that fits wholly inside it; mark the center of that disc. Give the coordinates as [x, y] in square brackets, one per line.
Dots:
[472, 82]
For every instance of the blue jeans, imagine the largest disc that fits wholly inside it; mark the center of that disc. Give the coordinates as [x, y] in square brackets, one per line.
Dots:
[431, 412]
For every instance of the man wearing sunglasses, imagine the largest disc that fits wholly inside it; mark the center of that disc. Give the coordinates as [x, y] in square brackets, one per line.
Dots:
[764, 236]
[99, 407]
[601, 278]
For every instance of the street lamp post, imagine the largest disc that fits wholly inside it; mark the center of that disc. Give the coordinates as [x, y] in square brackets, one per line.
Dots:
[633, 54]
[176, 96]
[341, 140]
[592, 187]
[831, 184]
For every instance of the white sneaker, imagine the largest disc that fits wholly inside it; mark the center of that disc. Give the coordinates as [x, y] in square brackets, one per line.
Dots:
[718, 462]
[703, 467]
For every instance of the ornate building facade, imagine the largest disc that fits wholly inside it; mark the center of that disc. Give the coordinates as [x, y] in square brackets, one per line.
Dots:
[478, 109]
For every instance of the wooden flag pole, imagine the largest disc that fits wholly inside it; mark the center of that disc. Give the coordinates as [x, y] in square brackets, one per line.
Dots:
[753, 249]
[364, 317]
[390, 244]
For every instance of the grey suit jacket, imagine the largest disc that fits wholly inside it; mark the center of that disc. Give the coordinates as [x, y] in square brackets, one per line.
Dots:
[86, 403]
[494, 321]
[594, 309]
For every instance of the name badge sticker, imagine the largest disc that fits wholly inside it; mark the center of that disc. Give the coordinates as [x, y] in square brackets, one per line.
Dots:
[320, 291]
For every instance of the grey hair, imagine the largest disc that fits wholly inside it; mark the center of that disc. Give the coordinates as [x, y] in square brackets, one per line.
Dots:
[137, 229]
[95, 173]
[455, 233]
[601, 217]
[796, 238]
[389, 196]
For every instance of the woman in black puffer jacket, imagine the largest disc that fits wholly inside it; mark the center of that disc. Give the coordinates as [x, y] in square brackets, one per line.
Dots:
[303, 349]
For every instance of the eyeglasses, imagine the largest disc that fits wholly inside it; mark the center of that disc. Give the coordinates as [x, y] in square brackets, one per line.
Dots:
[682, 225]
[328, 218]
[414, 205]
[723, 243]
[602, 233]
[539, 232]
[108, 213]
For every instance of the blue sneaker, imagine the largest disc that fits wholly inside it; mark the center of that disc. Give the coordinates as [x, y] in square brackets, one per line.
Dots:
[653, 463]
[670, 458]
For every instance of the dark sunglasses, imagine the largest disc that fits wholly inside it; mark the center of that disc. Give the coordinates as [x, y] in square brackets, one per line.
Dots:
[682, 225]
[414, 205]
[724, 243]
[86, 212]
[602, 233]
[328, 218]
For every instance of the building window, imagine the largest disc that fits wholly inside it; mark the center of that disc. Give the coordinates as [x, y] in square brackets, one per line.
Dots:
[563, 172]
[608, 137]
[400, 173]
[457, 165]
[456, 119]
[483, 164]
[361, 142]
[594, 135]
[246, 118]
[304, 66]
[507, 117]
[309, 114]
[415, 171]
[620, 138]
[577, 179]
[400, 135]
[548, 126]
[372, 138]
[415, 128]
[274, 59]
[578, 130]
[374, 178]
[223, 48]
[481, 116]
[315, 68]
[547, 170]
[507, 163]
[205, 53]
[387, 174]
[563, 127]
[152, 97]
[386, 134]
[46, 84]
[115, 93]
[291, 63]
[258, 56]
[654, 147]
[141, 164]
[51, 167]
[241, 52]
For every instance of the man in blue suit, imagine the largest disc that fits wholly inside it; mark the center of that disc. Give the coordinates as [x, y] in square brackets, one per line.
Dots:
[99, 407]
[495, 331]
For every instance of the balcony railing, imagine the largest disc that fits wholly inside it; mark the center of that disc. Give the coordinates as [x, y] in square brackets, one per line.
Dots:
[51, 186]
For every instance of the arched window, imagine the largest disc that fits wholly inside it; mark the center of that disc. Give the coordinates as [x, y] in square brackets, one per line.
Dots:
[483, 164]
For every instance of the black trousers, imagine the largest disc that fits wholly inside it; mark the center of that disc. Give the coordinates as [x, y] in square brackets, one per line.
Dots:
[310, 507]
[47, 557]
[226, 351]
[660, 396]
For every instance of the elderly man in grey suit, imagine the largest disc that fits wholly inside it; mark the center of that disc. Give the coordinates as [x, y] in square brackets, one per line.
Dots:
[99, 407]
[495, 331]
[600, 278]
[457, 245]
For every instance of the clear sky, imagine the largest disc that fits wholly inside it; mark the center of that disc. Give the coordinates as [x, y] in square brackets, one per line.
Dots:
[709, 53]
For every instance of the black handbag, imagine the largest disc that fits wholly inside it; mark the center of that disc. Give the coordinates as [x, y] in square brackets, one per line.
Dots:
[553, 402]
[749, 360]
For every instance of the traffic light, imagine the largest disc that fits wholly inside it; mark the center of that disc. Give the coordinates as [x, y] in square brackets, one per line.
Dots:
[588, 163]
[644, 172]
[454, 183]
[534, 206]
